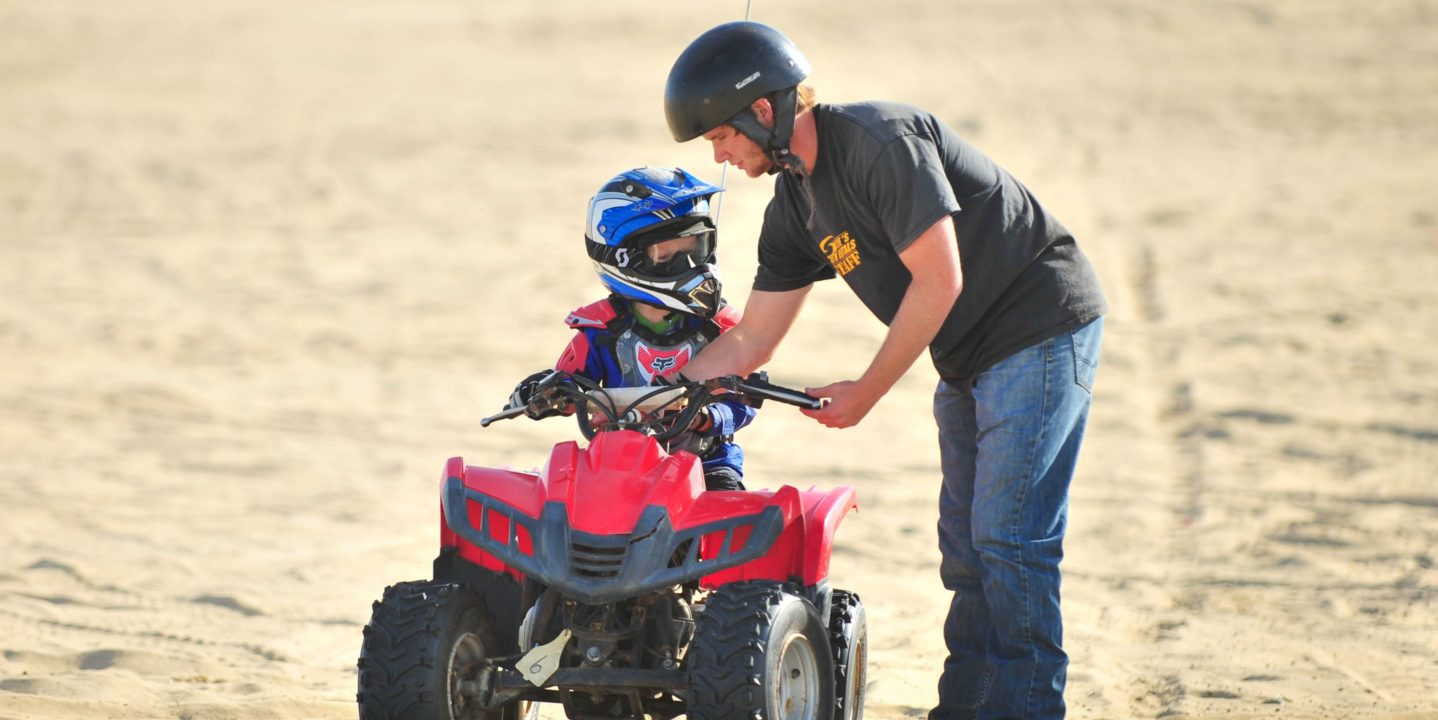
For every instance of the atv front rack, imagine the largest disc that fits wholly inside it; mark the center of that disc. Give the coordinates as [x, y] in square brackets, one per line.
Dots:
[597, 569]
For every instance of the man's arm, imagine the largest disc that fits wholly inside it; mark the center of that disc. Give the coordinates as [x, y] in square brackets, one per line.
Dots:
[748, 345]
[933, 261]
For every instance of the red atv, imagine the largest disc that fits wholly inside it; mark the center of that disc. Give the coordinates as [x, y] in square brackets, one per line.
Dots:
[613, 583]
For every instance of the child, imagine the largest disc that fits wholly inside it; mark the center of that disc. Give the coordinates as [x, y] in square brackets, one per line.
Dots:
[652, 241]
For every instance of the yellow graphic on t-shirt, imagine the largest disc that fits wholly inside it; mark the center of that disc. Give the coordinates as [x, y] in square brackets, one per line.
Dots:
[843, 252]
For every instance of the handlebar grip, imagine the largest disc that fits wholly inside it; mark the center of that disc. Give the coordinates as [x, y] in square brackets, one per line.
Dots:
[501, 415]
[784, 395]
[798, 399]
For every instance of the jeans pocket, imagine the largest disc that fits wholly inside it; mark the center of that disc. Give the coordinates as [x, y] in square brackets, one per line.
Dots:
[1086, 342]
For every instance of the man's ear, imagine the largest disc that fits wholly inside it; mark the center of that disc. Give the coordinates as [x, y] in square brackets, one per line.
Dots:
[764, 112]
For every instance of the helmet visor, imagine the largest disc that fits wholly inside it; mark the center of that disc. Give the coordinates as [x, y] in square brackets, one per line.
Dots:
[671, 255]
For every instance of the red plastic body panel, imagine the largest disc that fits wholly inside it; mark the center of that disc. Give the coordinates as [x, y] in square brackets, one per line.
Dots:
[608, 485]
[782, 562]
[823, 511]
[521, 490]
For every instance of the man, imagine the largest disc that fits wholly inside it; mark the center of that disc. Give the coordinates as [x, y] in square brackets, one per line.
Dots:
[953, 254]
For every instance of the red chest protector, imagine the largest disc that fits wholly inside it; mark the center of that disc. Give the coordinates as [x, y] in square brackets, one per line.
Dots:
[629, 353]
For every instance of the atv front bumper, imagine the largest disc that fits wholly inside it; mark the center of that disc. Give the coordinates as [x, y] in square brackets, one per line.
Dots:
[597, 569]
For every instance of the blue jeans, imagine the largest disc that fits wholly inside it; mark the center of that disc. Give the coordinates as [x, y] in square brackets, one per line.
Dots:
[1008, 446]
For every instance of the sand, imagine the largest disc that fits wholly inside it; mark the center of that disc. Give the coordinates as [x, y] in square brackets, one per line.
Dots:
[263, 266]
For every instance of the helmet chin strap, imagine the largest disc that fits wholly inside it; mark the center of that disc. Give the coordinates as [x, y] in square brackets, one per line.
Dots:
[775, 142]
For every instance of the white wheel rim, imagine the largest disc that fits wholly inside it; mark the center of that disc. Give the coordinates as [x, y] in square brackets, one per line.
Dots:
[463, 656]
[854, 683]
[796, 691]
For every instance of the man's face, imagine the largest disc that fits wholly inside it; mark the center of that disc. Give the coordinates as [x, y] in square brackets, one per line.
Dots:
[733, 147]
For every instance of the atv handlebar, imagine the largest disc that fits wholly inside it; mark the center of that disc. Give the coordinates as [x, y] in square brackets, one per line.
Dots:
[641, 399]
[505, 414]
[758, 386]
[643, 408]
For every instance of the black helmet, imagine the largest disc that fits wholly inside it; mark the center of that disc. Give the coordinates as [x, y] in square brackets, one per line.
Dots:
[723, 72]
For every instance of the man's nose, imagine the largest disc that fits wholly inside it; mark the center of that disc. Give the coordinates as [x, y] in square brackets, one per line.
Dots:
[719, 155]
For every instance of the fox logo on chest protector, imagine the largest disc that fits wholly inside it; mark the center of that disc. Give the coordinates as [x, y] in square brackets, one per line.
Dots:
[654, 362]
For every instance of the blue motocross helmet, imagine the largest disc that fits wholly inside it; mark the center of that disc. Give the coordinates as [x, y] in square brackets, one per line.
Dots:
[652, 239]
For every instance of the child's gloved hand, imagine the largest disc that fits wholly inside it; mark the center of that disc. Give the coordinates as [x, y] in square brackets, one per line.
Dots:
[532, 394]
[703, 422]
[525, 389]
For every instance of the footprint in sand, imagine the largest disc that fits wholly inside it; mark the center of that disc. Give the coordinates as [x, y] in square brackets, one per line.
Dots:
[228, 603]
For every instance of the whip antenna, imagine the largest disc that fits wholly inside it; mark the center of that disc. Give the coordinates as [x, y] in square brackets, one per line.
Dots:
[724, 171]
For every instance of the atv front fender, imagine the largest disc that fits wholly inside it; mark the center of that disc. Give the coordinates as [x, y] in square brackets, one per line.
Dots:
[823, 511]
[801, 552]
[522, 492]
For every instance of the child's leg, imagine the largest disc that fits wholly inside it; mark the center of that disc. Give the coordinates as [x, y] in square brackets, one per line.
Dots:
[722, 478]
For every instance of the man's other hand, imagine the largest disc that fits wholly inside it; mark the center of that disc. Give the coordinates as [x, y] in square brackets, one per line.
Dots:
[846, 403]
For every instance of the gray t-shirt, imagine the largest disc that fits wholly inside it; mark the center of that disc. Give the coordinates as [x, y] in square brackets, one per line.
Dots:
[885, 173]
